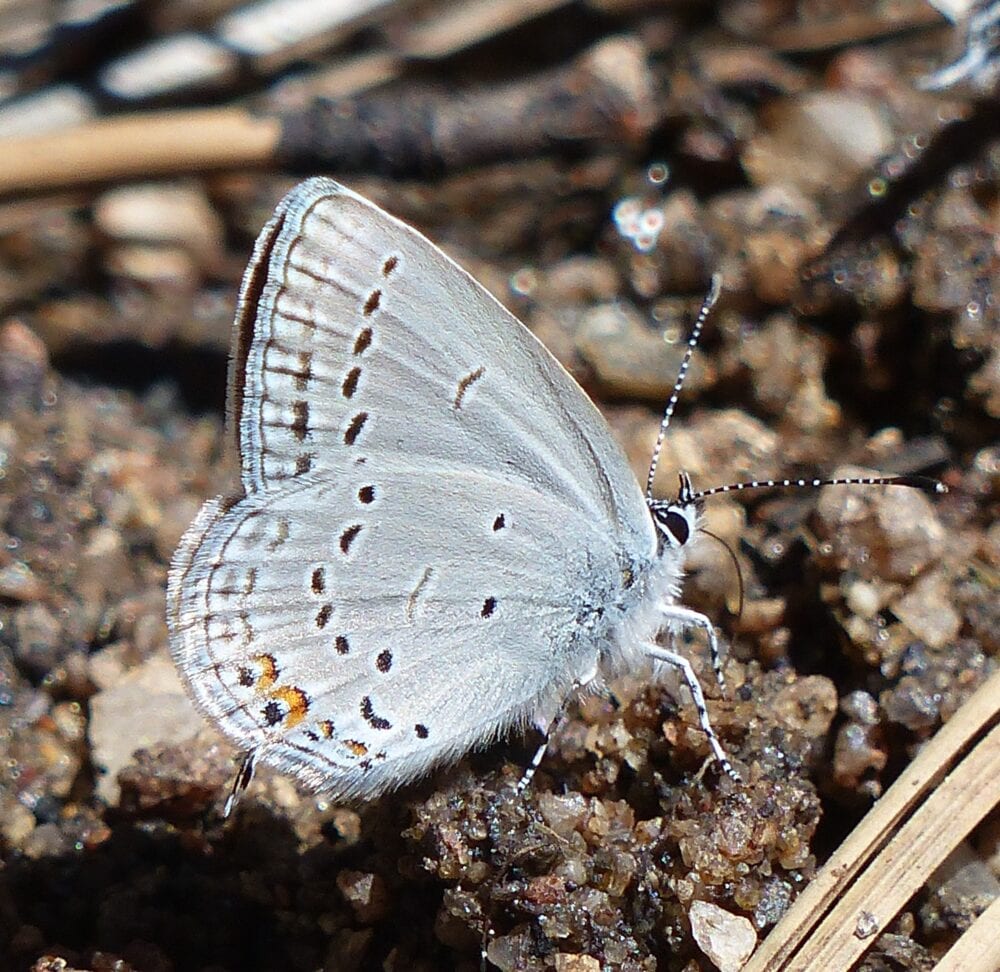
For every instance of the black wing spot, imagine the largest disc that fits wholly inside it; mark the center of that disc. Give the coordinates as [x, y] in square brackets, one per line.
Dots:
[390, 264]
[421, 730]
[367, 494]
[368, 714]
[272, 713]
[384, 661]
[371, 304]
[354, 429]
[323, 616]
[499, 523]
[348, 536]
[489, 606]
[342, 645]
[350, 385]
[363, 341]
[300, 422]
[318, 580]
[244, 676]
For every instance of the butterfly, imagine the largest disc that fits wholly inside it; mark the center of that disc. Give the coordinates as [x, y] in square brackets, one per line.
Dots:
[437, 539]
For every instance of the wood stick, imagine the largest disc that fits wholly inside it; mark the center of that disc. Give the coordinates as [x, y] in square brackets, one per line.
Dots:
[869, 905]
[137, 146]
[857, 859]
[979, 946]
[606, 95]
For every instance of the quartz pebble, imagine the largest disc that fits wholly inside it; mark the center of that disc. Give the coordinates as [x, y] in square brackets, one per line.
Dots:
[727, 939]
[147, 706]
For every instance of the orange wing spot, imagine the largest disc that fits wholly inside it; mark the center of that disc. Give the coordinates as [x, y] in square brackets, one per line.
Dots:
[268, 673]
[297, 702]
[356, 748]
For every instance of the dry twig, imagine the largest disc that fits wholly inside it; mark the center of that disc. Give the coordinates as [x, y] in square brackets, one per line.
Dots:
[946, 791]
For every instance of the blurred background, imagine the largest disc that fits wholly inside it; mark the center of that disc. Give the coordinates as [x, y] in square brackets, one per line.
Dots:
[593, 163]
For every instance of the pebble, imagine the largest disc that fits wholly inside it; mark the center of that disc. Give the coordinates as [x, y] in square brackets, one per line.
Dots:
[24, 363]
[19, 583]
[627, 356]
[38, 637]
[365, 893]
[821, 142]
[168, 215]
[881, 534]
[147, 707]
[566, 962]
[858, 753]
[727, 939]
[961, 889]
[787, 368]
[927, 610]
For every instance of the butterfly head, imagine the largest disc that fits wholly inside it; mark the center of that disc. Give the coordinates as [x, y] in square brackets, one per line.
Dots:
[676, 520]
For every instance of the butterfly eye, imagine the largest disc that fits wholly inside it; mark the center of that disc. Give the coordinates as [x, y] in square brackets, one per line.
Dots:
[676, 526]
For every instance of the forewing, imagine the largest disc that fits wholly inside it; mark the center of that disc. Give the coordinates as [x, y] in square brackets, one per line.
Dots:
[350, 321]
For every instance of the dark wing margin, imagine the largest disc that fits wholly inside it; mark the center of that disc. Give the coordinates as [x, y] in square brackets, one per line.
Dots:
[255, 279]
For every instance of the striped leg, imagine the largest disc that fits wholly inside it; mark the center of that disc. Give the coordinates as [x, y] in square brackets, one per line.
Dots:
[546, 729]
[684, 666]
[546, 724]
[686, 618]
[242, 781]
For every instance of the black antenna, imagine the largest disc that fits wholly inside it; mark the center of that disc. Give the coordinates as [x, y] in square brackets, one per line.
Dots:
[706, 309]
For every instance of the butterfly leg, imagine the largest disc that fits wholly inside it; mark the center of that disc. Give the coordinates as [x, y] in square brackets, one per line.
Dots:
[242, 781]
[529, 772]
[546, 726]
[684, 666]
[686, 618]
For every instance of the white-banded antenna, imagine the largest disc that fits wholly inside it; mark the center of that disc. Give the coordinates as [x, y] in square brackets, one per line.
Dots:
[925, 483]
[699, 324]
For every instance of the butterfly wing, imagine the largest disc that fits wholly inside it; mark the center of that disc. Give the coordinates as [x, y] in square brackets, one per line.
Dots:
[355, 642]
[435, 518]
[349, 320]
